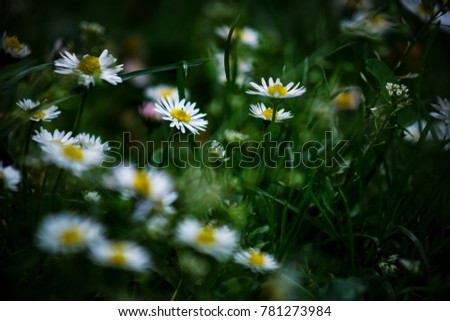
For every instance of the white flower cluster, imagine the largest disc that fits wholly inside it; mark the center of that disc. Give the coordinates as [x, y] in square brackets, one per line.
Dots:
[399, 94]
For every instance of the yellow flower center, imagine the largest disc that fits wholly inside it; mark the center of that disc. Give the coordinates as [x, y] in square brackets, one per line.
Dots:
[277, 90]
[268, 114]
[71, 237]
[344, 99]
[181, 115]
[90, 65]
[118, 256]
[166, 92]
[38, 115]
[12, 42]
[206, 236]
[256, 258]
[141, 183]
[379, 21]
[73, 152]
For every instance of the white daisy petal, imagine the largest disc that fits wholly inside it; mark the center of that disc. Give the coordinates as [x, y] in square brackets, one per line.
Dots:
[261, 111]
[275, 89]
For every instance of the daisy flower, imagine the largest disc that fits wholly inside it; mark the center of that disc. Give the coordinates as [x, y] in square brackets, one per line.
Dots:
[246, 36]
[425, 13]
[218, 151]
[261, 111]
[124, 255]
[57, 137]
[181, 114]
[257, 261]
[89, 68]
[349, 99]
[10, 177]
[66, 233]
[368, 24]
[12, 46]
[275, 89]
[157, 92]
[442, 112]
[88, 141]
[28, 104]
[70, 153]
[153, 188]
[46, 114]
[218, 242]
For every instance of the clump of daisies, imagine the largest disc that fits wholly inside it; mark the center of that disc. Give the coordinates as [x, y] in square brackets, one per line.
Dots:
[218, 242]
[46, 114]
[12, 46]
[10, 176]
[76, 154]
[67, 233]
[399, 95]
[181, 114]
[90, 69]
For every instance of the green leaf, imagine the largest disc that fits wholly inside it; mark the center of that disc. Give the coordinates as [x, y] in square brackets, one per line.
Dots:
[25, 73]
[187, 64]
[382, 74]
[226, 58]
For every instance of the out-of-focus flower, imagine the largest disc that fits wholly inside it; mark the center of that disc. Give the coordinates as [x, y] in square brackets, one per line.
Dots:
[153, 188]
[349, 99]
[218, 151]
[246, 36]
[28, 104]
[257, 261]
[92, 197]
[148, 111]
[66, 233]
[89, 69]
[428, 12]
[261, 111]
[92, 27]
[181, 114]
[161, 91]
[243, 68]
[233, 136]
[367, 24]
[157, 226]
[442, 116]
[389, 265]
[10, 176]
[275, 89]
[124, 255]
[353, 4]
[135, 64]
[218, 242]
[410, 265]
[12, 46]
[76, 154]
[413, 131]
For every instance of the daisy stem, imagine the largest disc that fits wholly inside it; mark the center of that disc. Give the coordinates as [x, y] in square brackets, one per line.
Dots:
[58, 179]
[24, 165]
[41, 192]
[80, 112]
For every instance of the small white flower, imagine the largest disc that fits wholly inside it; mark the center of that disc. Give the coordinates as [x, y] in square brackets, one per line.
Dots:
[243, 68]
[218, 151]
[124, 255]
[276, 89]
[12, 46]
[257, 261]
[161, 91]
[218, 242]
[153, 188]
[46, 114]
[157, 226]
[66, 233]
[88, 141]
[413, 131]
[92, 27]
[246, 36]
[10, 176]
[89, 68]
[399, 94]
[28, 104]
[74, 154]
[92, 197]
[261, 111]
[181, 114]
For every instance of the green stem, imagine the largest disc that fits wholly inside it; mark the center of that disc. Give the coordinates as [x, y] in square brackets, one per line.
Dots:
[80, 112]
[41, 192]
[24, 160]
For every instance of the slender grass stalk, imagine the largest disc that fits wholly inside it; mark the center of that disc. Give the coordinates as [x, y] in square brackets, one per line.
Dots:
[26, 150]
[76, 124]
